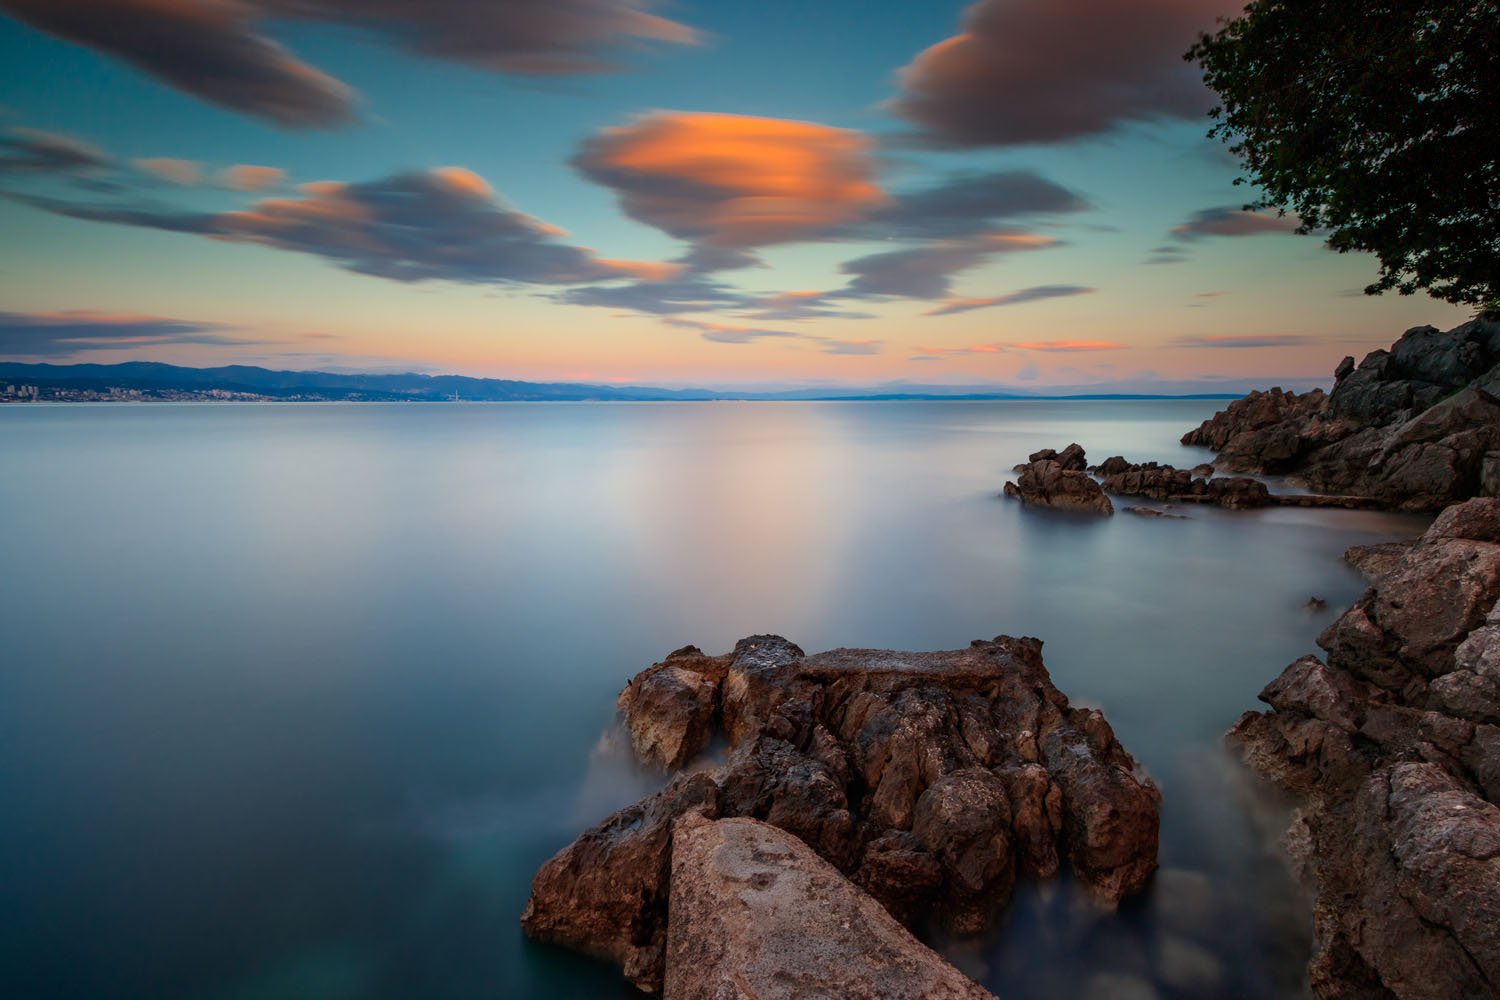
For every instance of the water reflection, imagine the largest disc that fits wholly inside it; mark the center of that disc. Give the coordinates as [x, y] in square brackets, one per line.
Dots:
[295, 698]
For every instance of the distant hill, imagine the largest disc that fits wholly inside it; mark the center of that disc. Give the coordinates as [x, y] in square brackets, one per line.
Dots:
[152, 380]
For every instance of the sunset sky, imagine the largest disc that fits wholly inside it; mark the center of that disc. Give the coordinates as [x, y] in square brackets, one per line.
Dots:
[1013, 192]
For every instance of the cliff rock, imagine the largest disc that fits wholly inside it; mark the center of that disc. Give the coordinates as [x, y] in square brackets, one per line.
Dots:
[1417, 426]
[1392, 747]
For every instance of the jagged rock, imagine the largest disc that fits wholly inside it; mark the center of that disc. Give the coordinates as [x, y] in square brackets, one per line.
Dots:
[1164, 482]
[1058, 480]
[669, 709]
[929, 779]
[1393, 749]
[1416, 427]
[1375, 561]
[756, 915]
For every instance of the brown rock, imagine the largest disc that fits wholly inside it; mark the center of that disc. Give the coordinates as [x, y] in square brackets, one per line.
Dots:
[1059, 482]
[1390, 749]
[756, 915]
[929, 779]
[669, 709]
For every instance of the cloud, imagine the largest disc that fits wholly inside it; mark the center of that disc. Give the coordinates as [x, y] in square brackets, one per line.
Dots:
[1240, 340]
[1167, 254]
[32, 151]
[443, 224]
[247, 177]
[184, 173]
[724, 333]
[965, 204]
[733, 182]
[1229, 220]
[728, 333]
[216, 50]
[1069, 346]
[64, 333]
[1034, 294]
[784, 306]
[926, 272]
[659, 298]
[1039, 71]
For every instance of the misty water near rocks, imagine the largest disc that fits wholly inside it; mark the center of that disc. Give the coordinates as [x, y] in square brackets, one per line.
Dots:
[310, 724]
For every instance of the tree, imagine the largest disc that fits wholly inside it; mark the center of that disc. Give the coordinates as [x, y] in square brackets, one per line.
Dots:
[1377, 121]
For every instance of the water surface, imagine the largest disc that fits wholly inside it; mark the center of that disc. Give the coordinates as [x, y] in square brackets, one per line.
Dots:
[295, 698]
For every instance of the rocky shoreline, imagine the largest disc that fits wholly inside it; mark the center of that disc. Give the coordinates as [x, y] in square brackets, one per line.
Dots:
[929, 781]
[1391, 747]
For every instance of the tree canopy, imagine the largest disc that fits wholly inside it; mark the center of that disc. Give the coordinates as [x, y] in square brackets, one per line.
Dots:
[1377, 122]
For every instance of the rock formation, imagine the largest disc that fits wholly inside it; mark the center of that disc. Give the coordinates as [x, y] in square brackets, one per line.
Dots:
[928, 779]
[755, 914]
[1163, 482]
[1392, 747]
[1417, 426]
[1058, 480]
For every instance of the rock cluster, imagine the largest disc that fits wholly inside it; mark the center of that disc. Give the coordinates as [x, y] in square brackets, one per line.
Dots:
[1392, 746]
[1417, 426]
[930, 780]
[1059, 480]
[1164, 482]
[753, 906]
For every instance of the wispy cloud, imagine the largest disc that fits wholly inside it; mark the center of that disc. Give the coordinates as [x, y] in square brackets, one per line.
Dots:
[1229, 220]
[61, 334]
[441, 224]
[1035, 294]
[218, 51]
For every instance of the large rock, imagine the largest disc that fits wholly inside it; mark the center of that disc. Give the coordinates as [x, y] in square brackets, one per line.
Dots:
[1058, 480]
[670, 709]
[1393, 748]
[931, 780]
[756, 915]
[1417, 426]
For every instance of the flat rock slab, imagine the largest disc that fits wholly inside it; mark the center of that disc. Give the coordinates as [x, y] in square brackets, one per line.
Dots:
[757, 915]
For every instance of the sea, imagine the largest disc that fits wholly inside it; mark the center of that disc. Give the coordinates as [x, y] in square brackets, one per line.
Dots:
[295, 698]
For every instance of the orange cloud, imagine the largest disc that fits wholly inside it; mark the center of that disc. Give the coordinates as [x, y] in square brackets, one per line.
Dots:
[732, 181]
[1068, 346]
[184, 172]
[247, 177]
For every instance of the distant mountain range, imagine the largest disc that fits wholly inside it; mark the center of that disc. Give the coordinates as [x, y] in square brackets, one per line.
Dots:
[152, 380]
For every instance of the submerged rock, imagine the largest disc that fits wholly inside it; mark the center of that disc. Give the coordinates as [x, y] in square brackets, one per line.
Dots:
[1059, 480]
[930, 780]
[757, 915]
[1393, 748]
[1417, 427]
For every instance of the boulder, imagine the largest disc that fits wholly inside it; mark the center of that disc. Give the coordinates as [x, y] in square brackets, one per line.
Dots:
[1058, 480]
[1164, 482]
[669, 709]
[755, 914]
[1392, 748]
[930, 780]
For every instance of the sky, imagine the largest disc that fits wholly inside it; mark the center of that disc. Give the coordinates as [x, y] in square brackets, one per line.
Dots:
[1003, 193]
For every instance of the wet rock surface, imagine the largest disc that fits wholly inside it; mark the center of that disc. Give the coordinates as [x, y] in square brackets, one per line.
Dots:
[1164, 482]
[930, 780]
[755, 914]
[1417, 426]
[1392, 747]
[1059, 480]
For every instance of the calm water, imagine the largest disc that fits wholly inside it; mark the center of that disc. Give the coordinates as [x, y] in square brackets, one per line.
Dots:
[293, 699]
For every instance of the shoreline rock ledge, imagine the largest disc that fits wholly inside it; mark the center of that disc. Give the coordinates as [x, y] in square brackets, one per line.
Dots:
[1392, 747]
[930, 781]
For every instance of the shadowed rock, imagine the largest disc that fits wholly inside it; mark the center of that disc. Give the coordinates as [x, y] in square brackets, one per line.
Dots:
[1058, 480]
[1417, 427]
[1393, 748]
[929, 779]
[756, 915]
